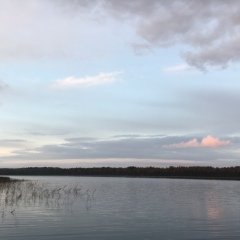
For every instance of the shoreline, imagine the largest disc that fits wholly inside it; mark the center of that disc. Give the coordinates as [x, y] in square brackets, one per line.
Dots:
[6, 178]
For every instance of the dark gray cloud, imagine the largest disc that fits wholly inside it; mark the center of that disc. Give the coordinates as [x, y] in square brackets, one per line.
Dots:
[141, 147]
[81, 139]
[12, 142]
[221, 55]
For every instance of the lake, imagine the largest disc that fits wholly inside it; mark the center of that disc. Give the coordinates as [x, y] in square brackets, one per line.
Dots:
[122, 208]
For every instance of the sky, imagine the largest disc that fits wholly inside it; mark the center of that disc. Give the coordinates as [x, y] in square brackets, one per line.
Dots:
[119, 83]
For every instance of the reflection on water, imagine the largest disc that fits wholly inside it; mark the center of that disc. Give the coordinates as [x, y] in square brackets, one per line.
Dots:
[213, 206]
[213, 213]
[123, 208]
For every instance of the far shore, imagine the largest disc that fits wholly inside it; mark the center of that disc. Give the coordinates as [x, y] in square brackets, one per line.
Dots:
[179, 172]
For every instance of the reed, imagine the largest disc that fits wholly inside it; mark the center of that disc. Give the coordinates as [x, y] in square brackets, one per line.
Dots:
[24, 193]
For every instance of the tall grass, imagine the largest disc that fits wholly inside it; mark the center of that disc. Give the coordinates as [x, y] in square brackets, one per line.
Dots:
[24, 193]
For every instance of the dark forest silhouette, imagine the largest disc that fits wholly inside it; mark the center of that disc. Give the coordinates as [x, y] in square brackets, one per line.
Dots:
[170, 172]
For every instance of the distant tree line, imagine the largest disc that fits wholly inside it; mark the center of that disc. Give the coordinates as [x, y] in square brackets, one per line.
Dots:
[173, 172]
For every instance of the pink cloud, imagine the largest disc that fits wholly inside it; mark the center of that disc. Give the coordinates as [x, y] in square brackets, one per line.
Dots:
[192, 143]
[208, 141]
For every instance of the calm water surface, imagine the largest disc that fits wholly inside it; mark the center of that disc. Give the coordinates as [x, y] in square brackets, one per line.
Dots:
[130, 208]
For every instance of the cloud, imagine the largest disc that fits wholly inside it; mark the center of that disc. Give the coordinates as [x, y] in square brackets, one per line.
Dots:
[177, 68]
[192, 143]
[56, 29]
[3, 86]
[47, 29]
[138, 147]
[217, 108]
[13, 143]
[221, 55]
[211, 29]
[209, 142]
[100, 79]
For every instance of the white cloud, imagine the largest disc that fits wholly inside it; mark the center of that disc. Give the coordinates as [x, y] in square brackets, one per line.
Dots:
[177, 68]
[89, 81]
